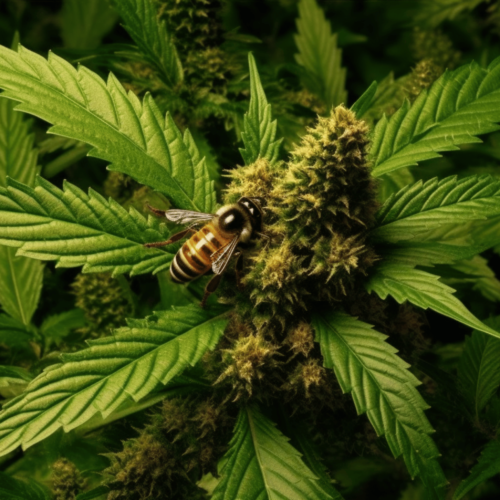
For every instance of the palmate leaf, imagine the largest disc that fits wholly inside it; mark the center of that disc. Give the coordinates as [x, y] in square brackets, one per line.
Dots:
[319, 54]
[478, 373]
[152, 38]
[487, 466]
[76, 229]
[384, 389]
[262, 465]
[129, 364]
[459, 106]
[423, 207]
[57, 326]
[424, 290]
[85, 23]
[20, 278]
[259, 130]
[133, 136]
[15, 489]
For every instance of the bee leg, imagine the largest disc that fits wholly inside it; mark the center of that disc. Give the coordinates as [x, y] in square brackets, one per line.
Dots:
[156, 211]
[238, 269]
[210, 288]
[173, 239]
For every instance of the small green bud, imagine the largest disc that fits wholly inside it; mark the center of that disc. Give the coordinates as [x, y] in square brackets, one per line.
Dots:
[66, 480]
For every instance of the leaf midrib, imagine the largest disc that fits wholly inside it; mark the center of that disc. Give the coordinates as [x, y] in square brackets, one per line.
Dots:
[16, 288]
[108, 124]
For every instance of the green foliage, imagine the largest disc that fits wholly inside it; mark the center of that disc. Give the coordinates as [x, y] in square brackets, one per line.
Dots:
[423, 290]
[487, 466]
[319, 55]
[422, 207]
[91, 232]
[85, 23]
[151, 37]
[15, 489]
[382, 387]
[262, 464]
[111, 370]
[259, 131]
[13, 375]
[440, 118]
[478, 374]
[135, 137]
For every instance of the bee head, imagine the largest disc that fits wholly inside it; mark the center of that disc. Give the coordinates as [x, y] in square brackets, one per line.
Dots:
[253, 207]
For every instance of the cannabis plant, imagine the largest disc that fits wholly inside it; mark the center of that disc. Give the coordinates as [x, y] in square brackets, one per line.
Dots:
[298, 379]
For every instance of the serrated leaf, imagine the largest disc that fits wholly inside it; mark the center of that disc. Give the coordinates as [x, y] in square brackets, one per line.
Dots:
[424, 290]
[133, 136]
[459, 106]
[261, 464]
[478, 373]
[129, 364]
[318, 53]
[151, 36]
[384, 389]
[76, 229]
[15, 489]
[432, 13]
[259, 130]
[57, 326]
[363, 104]
[428, 254]
[13, 375]
[85, 22]
[423, 207]
[487, 466]
[20, 278]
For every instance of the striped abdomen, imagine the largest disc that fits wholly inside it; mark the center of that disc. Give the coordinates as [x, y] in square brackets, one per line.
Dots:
[193, 258]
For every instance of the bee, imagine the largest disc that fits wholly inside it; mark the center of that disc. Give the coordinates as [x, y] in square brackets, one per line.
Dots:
[210, 248]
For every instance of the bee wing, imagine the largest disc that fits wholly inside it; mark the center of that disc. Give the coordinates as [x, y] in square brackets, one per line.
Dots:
[187, 216]
[220, 258]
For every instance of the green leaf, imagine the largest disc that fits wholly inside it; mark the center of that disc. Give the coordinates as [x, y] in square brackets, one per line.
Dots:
[431, 13]
[135, 137]
[318, 53]
[12, 332]
[15, 489]
[363, 104]
[129, 364]
[459, 106]
[423, 207]
[76, 229]
[305, 444]
[429, 253]
[478, 373]
[487, 466]
[259, 131]
[261, 464]
[152, 38]
[20, 278]
[85, 22]
[423, 290]
[13, 375]
[384, 389]
[54, 328]
[94, 493]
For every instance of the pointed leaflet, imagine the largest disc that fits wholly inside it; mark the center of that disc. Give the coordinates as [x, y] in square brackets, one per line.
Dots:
[76, 229]
[152, 38]
[318, 53]
[135, 137]
[13, 333]
[259, 131]
[83, 24]
[262, 465]
[487, 466]
[478, 373]
[13, 375]
[423, 290]
[363, 104]
[20, 278]
[422, 207]
[129, 364]
[384, 389]
[459, 106]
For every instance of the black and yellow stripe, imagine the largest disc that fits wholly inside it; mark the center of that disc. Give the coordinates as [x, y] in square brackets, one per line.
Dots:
[193, 258]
